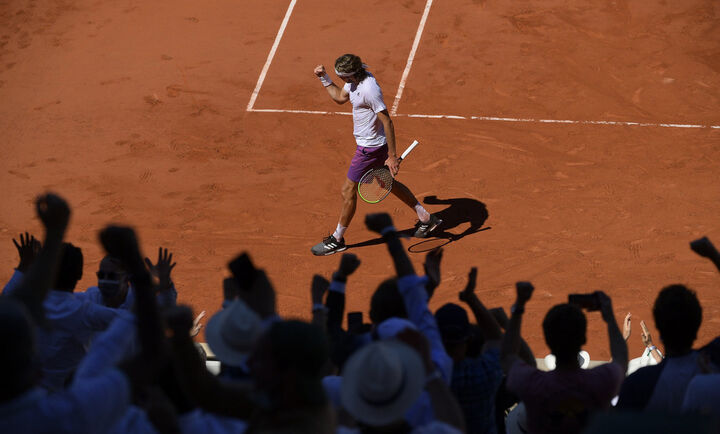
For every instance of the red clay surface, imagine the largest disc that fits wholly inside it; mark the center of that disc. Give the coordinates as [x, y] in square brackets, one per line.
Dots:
[135, 111]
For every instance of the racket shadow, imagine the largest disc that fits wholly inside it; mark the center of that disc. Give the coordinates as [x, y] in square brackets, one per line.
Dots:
[459, 211]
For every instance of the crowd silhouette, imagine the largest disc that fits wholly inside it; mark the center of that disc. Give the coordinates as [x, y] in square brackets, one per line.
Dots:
[120, 357]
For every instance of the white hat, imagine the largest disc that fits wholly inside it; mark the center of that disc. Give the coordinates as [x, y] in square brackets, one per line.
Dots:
[232, 332]
[381, 381]
[583, 360]
[389, 328]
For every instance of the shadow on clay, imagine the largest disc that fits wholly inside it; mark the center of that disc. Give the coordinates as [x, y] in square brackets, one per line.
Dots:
[459, 211]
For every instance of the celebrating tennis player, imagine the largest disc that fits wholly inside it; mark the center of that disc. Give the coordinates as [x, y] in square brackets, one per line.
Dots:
[375, 138]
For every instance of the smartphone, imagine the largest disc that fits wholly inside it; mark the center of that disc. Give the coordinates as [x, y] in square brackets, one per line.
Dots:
[589, 302]
[243, 271]
[355, 322]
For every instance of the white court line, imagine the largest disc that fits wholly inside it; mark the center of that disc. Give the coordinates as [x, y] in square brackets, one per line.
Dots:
[503, 119]
[264, 71]
[307, 112]
[411, 57]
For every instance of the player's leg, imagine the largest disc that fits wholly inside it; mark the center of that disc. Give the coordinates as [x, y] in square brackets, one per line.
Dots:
[427, 222]
[336, 242]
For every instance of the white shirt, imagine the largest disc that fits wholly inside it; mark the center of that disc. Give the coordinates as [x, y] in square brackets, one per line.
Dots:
[367, 100]
[72, 320]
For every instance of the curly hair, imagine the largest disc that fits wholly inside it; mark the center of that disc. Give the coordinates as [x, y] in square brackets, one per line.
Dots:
[350, 63]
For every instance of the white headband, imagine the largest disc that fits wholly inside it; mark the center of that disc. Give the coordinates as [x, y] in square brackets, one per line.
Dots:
[349, 74]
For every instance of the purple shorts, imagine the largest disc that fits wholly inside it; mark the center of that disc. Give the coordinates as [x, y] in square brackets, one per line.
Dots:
[366, 159]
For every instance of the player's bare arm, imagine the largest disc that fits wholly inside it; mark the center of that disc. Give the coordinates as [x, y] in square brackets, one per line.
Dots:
[339, 95]
[392, 161]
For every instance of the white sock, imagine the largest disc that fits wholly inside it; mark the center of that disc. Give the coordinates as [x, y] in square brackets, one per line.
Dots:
[423, 215]
[339, 232]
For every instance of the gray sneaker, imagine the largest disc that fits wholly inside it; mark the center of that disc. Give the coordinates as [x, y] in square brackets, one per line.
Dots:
[328, 246]
[424, 229]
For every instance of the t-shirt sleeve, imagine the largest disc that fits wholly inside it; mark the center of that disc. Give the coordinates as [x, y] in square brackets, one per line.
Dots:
[374, 99]
[608, 378]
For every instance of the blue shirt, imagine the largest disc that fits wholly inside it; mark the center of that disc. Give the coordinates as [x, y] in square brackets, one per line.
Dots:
[72, 320]
[90, 405]
[412, 289]
[475, 383]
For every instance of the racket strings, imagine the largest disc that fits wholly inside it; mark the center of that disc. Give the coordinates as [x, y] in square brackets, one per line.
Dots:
[375, 185]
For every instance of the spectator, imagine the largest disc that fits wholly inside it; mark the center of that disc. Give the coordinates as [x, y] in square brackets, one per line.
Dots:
[703, 391]
[383, 380]
[90, 404]
[661, 388]
[71, 320]
[560, 401]
[651, 354]
[475, 381]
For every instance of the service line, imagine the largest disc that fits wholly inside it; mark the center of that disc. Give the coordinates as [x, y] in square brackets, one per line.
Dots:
[504, 119]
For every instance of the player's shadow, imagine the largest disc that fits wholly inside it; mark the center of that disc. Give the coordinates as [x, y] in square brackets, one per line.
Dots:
[459, 211]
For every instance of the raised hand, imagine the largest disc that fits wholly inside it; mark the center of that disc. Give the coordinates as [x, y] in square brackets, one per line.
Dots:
[378, 221]
[121, 243]
[348, 264]
[627, 326]
[319, 70]
[645, 335]
[320, 286]
[606, 309]
[163, 268]
[524, 291]
[197, 325]
[704, 247]
[28, 249]
[432, 267]
[261, 296]
[468, 294]
[53, 211]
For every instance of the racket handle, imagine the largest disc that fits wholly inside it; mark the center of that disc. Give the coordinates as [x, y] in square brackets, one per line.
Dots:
[409, 149]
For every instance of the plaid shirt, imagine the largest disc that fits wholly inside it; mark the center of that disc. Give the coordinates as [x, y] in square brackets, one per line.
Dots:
[475, 383]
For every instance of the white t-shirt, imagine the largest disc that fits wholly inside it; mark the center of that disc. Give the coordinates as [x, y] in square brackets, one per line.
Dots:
[367, 100]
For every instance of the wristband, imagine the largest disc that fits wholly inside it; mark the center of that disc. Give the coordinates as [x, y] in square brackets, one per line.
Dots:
[517, 309]
[325, 80]
[652, 348]
[387, 229]
[338, 277]
[318, 306]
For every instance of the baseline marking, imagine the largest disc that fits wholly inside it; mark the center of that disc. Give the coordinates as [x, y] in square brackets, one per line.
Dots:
[411, 57]
[269, 60]
[504, 119]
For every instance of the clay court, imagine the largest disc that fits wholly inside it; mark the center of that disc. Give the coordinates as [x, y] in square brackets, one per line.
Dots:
[575, 144]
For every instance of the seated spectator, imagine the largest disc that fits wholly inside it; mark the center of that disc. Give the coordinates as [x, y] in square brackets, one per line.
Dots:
[661, 388]
[651, 354]
[561, 400]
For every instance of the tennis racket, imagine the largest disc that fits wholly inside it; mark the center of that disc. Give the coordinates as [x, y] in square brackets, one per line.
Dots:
[376, 184]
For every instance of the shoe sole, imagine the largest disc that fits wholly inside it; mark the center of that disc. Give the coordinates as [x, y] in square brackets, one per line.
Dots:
[430, 230]
[330, 252]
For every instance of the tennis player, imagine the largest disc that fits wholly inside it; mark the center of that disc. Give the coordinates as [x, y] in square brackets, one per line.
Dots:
[375, 138]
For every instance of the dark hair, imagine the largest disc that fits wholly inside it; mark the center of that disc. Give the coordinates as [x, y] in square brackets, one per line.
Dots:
[453, 323]
[678, 315]
[565, 327]
[350, 63]
[70, 269]
[387, 302]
